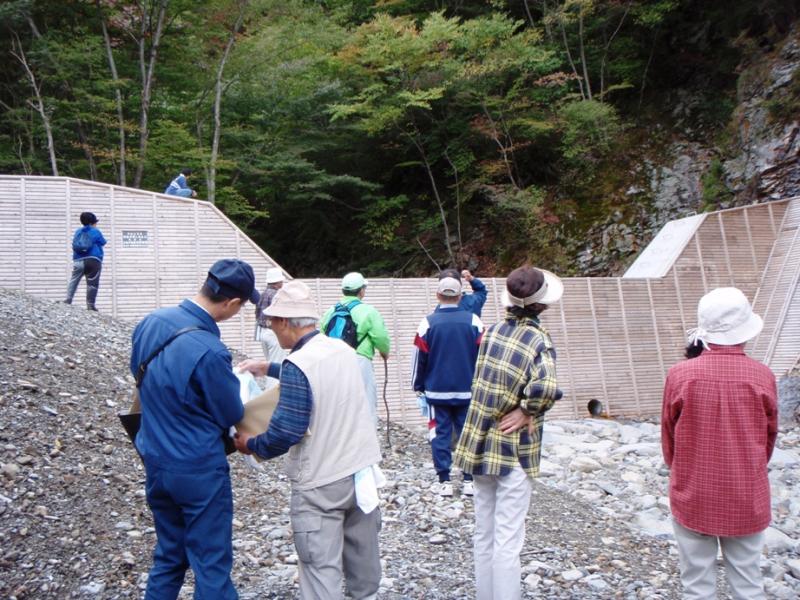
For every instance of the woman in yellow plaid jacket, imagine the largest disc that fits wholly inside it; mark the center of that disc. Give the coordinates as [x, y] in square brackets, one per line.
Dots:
[514, 385]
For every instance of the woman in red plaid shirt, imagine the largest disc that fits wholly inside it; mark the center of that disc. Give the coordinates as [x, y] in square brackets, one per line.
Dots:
[718, 429]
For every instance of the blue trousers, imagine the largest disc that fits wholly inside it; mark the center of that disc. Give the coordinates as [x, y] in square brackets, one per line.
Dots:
[183, 192]
[193, 514]
[448, 418]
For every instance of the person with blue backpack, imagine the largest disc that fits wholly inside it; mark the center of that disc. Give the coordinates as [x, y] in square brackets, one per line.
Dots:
[87, 259]
[361, 326]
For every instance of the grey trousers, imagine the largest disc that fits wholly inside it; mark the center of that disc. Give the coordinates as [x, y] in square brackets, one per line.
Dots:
[89, 268]
[697, 554]
[335, 540]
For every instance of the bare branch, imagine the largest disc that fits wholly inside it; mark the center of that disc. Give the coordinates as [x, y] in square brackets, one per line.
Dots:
[428, 254]
[18, 53]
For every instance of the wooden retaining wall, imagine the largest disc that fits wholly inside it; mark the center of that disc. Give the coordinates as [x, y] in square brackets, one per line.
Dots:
[615, 337]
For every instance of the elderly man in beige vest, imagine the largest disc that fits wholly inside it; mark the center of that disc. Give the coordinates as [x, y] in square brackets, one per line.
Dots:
[324, 423]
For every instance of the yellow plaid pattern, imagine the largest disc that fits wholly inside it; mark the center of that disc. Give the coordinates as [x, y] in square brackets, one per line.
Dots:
[516, 367]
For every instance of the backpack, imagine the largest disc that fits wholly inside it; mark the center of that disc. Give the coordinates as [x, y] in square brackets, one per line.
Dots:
[342, 326]
[82, 242]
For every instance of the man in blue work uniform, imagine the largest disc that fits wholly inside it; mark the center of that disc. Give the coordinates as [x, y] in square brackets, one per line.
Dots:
[190, 397]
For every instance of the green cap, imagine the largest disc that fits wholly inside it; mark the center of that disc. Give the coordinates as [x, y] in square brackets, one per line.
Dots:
[353, 281]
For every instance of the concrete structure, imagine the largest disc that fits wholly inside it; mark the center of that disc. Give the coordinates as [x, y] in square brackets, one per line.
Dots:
[616, 337]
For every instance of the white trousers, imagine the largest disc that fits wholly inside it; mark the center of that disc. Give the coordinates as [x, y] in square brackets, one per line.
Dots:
[368, 375]
[501, 504]
[697, 554]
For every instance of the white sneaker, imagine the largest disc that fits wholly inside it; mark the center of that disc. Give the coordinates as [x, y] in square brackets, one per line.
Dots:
[444, 489]
[468, 489]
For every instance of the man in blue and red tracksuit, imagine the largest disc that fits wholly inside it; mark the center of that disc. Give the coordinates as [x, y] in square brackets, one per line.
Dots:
[190, 398]
[447, 343]
[470, 302]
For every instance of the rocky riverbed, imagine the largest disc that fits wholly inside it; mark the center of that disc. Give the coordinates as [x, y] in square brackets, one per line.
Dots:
[74, 522]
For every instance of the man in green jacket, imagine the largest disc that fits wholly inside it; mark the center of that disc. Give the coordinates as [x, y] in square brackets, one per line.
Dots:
[371, 332]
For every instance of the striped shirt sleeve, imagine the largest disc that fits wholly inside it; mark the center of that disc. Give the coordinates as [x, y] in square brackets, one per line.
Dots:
[291, 417]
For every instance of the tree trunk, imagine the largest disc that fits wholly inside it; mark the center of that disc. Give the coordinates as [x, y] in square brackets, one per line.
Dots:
[439, 202]
[503, 149]
[82, 137]
[578, 78]
[647, 68]
[458, 203]
[147, 66]
[606, 47]
[112, 65]
[211, 180]
[19, 54]
[87, 151]
[583, 56]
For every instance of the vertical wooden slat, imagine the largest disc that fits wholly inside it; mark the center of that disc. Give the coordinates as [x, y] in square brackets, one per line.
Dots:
[317, 296]
[156, 243]
[67, 224]
[401, 384]
[746, 213]
[114, 252]
[197, 261]
[679, 296]
[237, 236]
[606, 402]
[700, 261]
[724, 237]
[655, 329]
[775, 228]
[496, 303]
[570, 376]
[631, 369]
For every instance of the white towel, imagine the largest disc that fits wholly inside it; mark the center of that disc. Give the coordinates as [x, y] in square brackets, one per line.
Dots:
[367, 481]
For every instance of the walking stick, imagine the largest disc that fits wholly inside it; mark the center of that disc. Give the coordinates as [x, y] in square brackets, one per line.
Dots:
[385, 401]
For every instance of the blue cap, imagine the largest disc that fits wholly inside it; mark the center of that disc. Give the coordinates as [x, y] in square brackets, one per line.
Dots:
[233, 279]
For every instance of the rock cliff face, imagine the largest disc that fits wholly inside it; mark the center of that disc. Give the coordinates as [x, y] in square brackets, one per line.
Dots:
[760, 163]
[767, 166]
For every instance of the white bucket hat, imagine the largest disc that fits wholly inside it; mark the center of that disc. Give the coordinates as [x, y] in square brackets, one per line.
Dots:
[549, 292]
[725, 317]
[274, 275]
[293, 301]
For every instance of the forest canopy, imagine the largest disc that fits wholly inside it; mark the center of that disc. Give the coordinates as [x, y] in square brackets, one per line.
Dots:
[390, 136]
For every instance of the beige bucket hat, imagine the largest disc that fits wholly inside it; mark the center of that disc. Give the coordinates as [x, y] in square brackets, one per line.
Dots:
[293, 301]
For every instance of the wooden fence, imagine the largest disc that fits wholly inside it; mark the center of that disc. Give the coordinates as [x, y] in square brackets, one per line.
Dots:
[615, 337]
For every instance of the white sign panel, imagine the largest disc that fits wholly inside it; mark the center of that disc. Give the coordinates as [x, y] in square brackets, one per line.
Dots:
[138, 238]
[656, 260]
